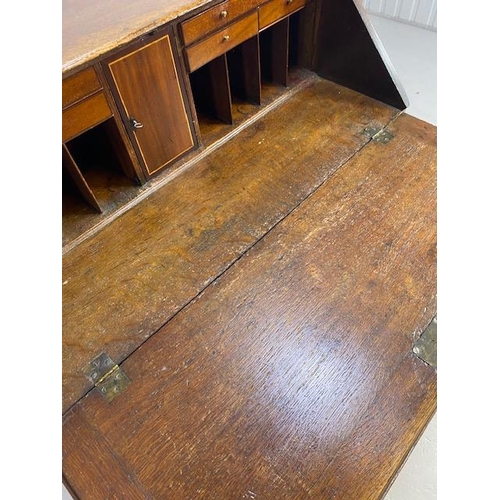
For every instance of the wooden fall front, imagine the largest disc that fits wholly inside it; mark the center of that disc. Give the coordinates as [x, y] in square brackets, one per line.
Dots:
[263, 301]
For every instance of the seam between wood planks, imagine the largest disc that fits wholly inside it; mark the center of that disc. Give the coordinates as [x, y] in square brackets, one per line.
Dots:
[156, 184]
[245, 252]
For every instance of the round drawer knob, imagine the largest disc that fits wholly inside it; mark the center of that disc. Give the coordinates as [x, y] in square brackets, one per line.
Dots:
[223, 14]
[288, 2]
[225, 38]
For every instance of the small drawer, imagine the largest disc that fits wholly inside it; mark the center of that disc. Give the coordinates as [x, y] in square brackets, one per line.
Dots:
[275, 10]
[77, 87]
[84, 115]
[222, 41]
[215, 18]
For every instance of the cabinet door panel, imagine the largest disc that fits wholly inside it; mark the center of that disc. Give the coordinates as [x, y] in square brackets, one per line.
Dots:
[148, 87]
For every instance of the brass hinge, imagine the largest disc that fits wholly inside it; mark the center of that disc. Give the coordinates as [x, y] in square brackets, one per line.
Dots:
[382, 136]
[108, 378]
[425, 347]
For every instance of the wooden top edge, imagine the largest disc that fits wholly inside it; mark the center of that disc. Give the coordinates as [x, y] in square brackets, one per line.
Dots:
[91, 29]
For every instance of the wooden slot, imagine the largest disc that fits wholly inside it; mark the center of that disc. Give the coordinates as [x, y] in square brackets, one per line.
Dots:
[84, 115]
[213, 130]
[275, 52]
[215, 18]
[222, 41]
[79, 180]
[211, 91]
[244, 70]
[77, 87]
[300, 35]
[99, 163]
[276, 10]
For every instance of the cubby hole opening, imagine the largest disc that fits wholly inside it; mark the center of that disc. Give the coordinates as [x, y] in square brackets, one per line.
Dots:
[281, 58]
[93, 180]
[235, 86]
[226, 90]
[95, 154]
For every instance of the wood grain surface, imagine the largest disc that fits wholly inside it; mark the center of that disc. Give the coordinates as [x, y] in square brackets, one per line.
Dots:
[291, 375]
[92, 29]
[84, 115]
[215, 18]
[149, 90]
[79, 180]
[110, 478]
[222, 41]
[276, 10]
[79, 86]
[122, 285]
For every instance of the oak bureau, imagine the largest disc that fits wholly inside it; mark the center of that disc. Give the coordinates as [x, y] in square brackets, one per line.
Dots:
[248, 252]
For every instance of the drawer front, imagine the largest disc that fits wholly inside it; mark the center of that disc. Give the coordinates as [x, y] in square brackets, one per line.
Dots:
[222, 41]
[77, 87]
[215, 18]
[275, 10]
[84, 116]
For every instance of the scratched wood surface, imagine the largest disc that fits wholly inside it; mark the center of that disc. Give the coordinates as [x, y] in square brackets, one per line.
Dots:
[92, 29]
[290, 376]
[123, 284]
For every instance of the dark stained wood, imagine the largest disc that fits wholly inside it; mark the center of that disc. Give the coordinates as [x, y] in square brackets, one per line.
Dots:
[347, 53]
[127, 281]
[302, 36]
[211, 90]
[244, 70]
[149, 90]
[271, 95]
[120, 139]
[79, 86]
[111, 479]
[120, 142]
[99, 162]
[275, 10]
[93, 30]
[291, 376]
[83, 116]
[376, 447]
[221, 42]
[78, 178]
[215, 18]
[79, 221]
[274, 52]
[235, 111]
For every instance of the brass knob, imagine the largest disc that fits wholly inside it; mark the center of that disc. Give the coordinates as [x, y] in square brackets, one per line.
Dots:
[288, 2]
[225, 38]
[223, 14]
[135, 123]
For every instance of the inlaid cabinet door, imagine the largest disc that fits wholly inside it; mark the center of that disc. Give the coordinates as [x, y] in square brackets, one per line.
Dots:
[148, 90]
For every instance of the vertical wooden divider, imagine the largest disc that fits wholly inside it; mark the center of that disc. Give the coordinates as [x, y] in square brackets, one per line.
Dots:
[244, 70]
[211, 90]
[75, 173]
[274, 52]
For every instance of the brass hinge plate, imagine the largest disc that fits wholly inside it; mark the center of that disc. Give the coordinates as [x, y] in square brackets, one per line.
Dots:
[425, 347]
[108, 378]
[382, 136]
